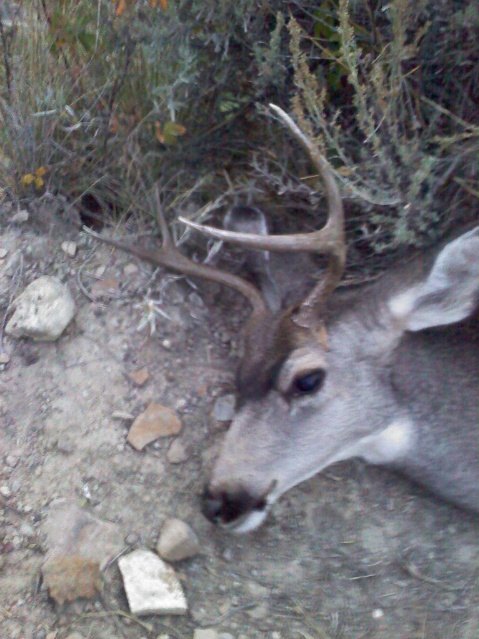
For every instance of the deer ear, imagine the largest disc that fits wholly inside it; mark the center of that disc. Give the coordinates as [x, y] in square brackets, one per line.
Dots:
[451, 291]
[249, 219]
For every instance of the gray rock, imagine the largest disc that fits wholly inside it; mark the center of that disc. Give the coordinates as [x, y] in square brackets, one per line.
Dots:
[177, 541]
[177, 452]
[261, 611]
[65, 445]
[151, 585]
[42, 311]
[224, 408]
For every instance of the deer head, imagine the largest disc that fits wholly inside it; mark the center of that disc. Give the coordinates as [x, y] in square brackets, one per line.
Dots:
[346, 375]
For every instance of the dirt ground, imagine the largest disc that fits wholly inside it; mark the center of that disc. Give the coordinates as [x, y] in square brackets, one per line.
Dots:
[356, 552]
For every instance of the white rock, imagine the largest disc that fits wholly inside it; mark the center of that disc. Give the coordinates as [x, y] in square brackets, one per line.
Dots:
[70, 248]
[27, 530]
[205, 633]
[151, 585]
[20, 217]
[42, 311]
[177, 541]
[5, 492]
[130, 269]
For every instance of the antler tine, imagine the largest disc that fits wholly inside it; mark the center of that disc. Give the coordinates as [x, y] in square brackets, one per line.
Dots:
[170, 257]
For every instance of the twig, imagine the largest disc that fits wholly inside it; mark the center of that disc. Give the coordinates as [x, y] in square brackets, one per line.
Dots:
[414, 572]
[6, 61]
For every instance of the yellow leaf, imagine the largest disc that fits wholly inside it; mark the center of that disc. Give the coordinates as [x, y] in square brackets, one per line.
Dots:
[159, 133]
[344, 170]
[173, 128]
[39, 183]
[40, 172]
[120, 7]
[27, 179]
[163, 4]
[114, 124]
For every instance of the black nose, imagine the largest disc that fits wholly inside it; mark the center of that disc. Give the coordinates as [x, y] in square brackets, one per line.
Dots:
[225, 507]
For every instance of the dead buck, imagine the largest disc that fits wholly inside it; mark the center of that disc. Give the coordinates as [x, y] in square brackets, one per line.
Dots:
[388, 373]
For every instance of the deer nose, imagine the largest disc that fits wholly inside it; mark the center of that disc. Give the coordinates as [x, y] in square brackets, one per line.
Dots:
[228, 507]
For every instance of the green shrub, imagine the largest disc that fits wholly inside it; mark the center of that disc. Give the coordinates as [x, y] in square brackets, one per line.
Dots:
[402, 157]
[106, 98]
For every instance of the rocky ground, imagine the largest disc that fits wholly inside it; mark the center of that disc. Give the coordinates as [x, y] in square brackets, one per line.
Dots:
[356, 552]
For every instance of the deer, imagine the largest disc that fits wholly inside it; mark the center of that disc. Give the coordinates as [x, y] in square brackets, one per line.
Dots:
[387, 371]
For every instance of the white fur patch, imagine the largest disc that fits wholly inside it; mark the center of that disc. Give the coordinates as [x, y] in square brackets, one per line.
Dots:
[388, 445]
[249, 523]
[402, 305]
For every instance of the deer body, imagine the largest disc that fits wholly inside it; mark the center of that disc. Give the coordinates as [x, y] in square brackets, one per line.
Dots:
[388, 372]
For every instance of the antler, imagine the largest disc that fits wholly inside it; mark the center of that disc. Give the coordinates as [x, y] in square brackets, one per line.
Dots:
[329, 240]
[170, 257]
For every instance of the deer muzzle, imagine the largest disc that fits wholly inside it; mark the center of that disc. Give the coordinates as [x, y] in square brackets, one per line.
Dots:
[236, 508]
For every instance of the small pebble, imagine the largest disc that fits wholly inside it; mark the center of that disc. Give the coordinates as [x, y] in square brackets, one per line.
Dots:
[260, 611]
[130, 269]
[177, 452]
[65, 446]
[132, 538]
[100, 271]
[69, 248]
[122, 415]
[224, 408]
[177, 541]
[11, 461]
[5, 492]
[181, 404]
[27, 530]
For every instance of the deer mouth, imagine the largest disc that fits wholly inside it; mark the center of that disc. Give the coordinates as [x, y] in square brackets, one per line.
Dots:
[236, 511]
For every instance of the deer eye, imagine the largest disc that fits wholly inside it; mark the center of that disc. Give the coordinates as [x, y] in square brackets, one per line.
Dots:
[309, 383]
